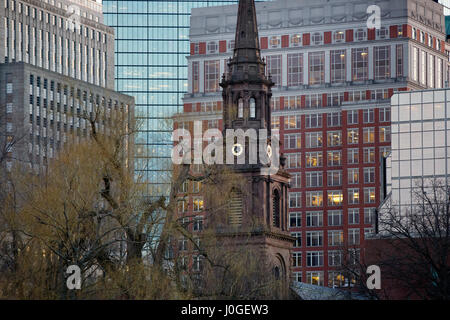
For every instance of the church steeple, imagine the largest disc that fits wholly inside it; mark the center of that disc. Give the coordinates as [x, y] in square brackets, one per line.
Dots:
[246, 63]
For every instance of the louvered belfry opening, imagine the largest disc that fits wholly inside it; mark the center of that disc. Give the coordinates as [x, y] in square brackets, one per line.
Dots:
[235, 209]
[276, 208]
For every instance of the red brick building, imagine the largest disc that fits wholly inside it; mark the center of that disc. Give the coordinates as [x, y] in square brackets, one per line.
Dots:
[331, 103]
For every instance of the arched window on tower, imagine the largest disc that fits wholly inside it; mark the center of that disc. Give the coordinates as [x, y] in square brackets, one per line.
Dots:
[276, 208]
[241, 108]
[252, 108]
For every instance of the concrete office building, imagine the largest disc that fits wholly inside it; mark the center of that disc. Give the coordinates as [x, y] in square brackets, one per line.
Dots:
[55, 68]
[331, 103]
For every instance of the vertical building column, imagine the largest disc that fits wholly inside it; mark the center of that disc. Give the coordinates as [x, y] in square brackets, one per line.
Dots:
[284, 70]
[393, 65]
[305, 69]
[348, 65]
[189, 80]
[371, 64]
[327, 66]
[201, 75]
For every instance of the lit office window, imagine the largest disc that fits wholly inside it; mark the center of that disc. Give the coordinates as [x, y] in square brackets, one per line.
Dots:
[339, 36]
[335, 198]
[334, 158]
[360, 66]
[314, 199]
[353, 176]
[313, 139]
[338, 59]
[352, 136]
[314, 159]
[334, 138]
[315, 278]
[368, 135]
[335, 237]
[274, 42]
[369, 195]
[353, 196]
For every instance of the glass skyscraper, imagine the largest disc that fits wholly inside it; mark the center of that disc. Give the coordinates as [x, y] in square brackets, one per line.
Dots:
[152, 42]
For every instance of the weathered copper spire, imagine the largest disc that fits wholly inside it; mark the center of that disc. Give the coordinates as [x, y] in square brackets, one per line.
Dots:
[246, 63]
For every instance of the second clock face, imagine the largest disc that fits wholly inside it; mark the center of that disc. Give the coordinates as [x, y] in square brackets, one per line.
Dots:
[269, 151]
[237, 149]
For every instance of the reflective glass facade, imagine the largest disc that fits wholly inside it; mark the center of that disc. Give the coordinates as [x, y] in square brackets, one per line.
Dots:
[152, 42]
[420, 144]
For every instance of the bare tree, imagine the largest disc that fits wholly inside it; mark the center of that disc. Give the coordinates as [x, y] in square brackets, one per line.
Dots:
[412, 247]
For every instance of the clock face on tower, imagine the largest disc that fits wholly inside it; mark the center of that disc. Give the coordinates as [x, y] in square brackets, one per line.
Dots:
[237, 149]
[269, 151]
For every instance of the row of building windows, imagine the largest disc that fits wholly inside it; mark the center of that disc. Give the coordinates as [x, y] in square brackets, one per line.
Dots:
[56, 53]
[314, 66]
[335, 257]
[314, 179]
[334, 138]
[317, 38]
[334, 158]
[336, 279]
[334, 217]
[333, 198]
[35, 13]
[335, 238]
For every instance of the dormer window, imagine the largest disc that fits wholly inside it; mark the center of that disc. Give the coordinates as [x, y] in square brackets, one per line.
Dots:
[422, 37]
[339, 36]
[430, 41]
[414, 33]
[196, 48]
[400, 30]
[296, 40]
[382, 33]
[317, 38]
[275, 42]
[212, 47]
[360, 35]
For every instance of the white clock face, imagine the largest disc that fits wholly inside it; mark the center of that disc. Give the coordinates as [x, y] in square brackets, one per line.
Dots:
[237, 149]
[269, 151]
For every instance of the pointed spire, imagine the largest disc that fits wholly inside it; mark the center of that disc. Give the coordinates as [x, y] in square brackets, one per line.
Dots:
[247, 40]
[246, 63]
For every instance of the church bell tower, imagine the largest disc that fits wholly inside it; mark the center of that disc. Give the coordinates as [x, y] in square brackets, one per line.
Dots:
[262, 211]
